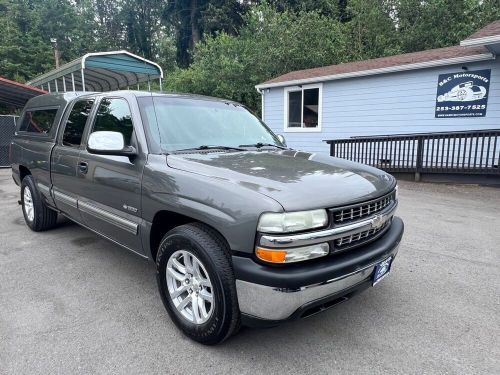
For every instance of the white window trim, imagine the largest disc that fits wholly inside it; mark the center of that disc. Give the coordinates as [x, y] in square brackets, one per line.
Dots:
[286, 90]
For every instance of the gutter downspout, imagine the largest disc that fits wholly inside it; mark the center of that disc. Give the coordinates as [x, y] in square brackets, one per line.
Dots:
[261, 92]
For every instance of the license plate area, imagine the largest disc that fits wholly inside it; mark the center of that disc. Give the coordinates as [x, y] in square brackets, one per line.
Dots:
[381, 271]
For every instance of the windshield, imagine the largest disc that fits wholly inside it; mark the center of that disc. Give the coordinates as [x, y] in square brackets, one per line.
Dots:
[181, 123]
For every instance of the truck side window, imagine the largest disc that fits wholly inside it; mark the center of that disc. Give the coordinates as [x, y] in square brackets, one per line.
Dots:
[38, 121]
[114, 115]
[76, 123]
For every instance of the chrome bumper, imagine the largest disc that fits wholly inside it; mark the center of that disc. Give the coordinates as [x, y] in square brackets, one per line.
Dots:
[270, 303]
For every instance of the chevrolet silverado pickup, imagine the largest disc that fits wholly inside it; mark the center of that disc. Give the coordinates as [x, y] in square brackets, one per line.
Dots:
[242, 229]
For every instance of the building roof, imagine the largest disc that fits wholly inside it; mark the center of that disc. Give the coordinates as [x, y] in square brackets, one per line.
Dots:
[102, 71]
[389, 64]
[15, 94]
[488, 36]
[491, 30]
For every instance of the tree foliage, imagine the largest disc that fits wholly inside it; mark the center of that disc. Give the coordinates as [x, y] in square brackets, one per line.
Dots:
[225, 47]
[270, 43]
[438, 23]
[279, 36]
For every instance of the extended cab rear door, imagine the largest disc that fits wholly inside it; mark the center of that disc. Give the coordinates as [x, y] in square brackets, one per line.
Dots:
[110, 200]
[66, 180]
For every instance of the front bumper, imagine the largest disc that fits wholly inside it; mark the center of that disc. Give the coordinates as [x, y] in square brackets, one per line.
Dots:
[274, 294]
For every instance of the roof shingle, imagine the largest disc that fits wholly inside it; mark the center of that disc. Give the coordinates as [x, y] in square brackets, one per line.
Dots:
[383, 62]
[489, 30]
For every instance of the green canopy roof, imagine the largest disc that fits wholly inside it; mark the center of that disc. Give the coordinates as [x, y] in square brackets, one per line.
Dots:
[100, 71]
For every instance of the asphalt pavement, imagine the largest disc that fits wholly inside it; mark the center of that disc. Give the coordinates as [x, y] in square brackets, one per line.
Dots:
[73, 303]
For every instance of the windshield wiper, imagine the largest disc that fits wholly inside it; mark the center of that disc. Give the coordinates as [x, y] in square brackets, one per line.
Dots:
[207, 147]
[260, 145]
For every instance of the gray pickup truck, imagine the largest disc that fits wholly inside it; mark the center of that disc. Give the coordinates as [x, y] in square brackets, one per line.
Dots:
[243, 230]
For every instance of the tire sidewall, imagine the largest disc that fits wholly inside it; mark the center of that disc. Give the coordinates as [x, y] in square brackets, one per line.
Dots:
[27, 183]
[215, 324]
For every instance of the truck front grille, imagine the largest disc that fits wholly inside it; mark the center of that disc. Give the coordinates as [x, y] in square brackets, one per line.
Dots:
[352, 213]
[360, 238]
[359, 212]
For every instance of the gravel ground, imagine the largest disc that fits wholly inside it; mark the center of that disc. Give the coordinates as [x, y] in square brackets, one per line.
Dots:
[71, 303]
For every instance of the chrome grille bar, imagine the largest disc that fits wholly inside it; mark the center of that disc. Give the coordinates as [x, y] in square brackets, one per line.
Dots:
[347, 214]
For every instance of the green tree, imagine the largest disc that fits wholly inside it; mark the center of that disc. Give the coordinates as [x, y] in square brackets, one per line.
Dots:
[59, 19]
[23, 51]
[270, 43]
[192, 19]
[425, 24]
[142, 26]
[371, 29]
[103, 21]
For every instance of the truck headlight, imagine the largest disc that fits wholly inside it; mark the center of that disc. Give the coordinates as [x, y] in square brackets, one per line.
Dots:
[297, 254]
[286, 222]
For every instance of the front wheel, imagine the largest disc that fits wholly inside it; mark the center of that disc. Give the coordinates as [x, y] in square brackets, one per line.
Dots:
[196, 283]
[37, 215]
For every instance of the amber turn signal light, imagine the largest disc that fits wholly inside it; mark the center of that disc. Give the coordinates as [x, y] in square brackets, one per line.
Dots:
[272, 256]
[295, 254]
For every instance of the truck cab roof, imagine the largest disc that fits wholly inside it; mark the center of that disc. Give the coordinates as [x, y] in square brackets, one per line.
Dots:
[56, 99]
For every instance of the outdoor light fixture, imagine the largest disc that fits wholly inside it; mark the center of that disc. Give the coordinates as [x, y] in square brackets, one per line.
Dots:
[53, 41]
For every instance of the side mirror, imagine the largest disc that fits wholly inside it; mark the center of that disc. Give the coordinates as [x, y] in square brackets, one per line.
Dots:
[109, 143]
[282, 139]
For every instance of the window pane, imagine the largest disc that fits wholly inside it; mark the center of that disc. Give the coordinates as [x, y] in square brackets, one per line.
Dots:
[294, 109]
[311, 101]
[76, 123]
[114, 115]
[39, 121]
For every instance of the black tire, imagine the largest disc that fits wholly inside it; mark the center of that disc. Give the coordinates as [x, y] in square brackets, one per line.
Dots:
[208, 246]
[43, 218]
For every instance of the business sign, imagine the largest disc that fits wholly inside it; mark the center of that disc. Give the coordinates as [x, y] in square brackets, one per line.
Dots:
[463, 94]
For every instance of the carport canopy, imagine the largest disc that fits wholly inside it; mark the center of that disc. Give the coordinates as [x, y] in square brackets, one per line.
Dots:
[15, 94]
[100, 71]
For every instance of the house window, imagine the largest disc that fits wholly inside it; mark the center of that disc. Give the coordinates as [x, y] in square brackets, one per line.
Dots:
[303, 108]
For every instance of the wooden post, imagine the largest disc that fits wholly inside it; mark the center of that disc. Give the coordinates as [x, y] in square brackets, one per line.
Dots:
[420, 157]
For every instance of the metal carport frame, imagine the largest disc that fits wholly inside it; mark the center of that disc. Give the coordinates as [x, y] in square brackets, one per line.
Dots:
[100, 71]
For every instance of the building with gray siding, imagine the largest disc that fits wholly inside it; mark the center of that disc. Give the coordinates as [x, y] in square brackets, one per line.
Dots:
[446, 89]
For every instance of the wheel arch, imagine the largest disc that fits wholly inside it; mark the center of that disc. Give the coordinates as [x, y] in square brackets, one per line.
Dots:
[164, 221]
[23, 172]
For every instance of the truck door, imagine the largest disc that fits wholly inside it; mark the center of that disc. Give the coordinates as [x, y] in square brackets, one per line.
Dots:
[110, 201]
[65, 156]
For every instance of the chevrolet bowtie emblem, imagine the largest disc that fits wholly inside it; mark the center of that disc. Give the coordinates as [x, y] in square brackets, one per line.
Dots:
[378, 221]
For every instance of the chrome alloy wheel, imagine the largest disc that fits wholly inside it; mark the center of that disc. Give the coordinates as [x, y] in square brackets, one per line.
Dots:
[28, 204]
[190, 287]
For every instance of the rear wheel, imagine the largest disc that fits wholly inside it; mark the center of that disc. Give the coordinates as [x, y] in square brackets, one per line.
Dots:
[36, 213]
[196, 283]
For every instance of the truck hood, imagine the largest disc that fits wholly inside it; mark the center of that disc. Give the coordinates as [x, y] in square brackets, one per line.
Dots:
[296, 180]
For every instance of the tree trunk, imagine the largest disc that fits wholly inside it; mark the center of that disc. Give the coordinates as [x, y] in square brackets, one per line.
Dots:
[195, 31]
